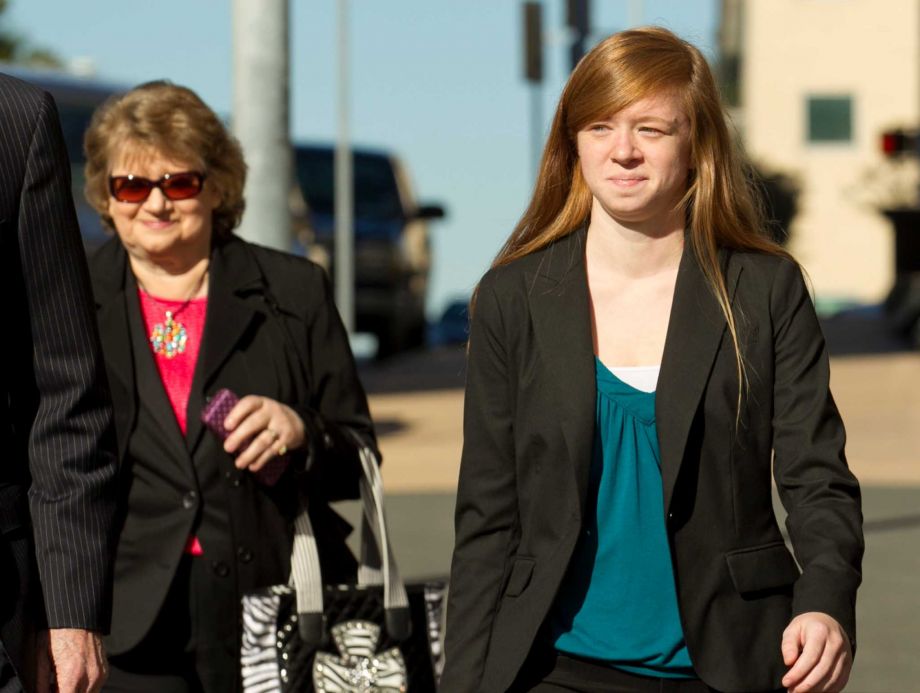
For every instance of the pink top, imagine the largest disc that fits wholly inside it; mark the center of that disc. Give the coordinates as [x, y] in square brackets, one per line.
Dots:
[175, 349]
[175, 346]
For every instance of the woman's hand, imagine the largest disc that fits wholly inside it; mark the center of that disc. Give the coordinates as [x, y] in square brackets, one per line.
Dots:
[818, 652]
[272, 429]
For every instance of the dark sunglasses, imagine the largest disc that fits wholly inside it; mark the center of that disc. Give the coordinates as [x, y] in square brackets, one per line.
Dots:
[175, 186]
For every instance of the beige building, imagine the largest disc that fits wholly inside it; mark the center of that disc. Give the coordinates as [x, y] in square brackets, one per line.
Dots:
[817, 83]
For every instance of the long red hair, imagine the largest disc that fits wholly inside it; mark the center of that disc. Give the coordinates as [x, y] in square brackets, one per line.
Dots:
[722, 207]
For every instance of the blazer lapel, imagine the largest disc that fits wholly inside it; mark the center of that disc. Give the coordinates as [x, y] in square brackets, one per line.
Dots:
[561, 315]
[151, 387]
[124, 338]
[112, 318]
[234, 273]
[694, 333]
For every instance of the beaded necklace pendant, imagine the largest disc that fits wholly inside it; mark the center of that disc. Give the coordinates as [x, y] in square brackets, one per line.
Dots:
[169, 338]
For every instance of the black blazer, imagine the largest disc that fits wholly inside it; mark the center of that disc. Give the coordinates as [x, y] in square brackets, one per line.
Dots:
[55, 418]
[528, 431]
[271, 329]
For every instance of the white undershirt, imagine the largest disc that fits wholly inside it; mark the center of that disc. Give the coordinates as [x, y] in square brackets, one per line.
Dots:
[644, 378]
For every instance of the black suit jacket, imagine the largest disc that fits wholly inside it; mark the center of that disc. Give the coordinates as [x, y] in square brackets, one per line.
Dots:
[54, 412]
[272, 329]
[528, 431]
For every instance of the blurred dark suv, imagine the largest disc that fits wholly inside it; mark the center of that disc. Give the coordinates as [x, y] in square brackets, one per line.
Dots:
[392, 250]
[76, 98]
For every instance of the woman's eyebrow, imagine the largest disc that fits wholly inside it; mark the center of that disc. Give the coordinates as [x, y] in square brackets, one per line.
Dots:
[658, 119]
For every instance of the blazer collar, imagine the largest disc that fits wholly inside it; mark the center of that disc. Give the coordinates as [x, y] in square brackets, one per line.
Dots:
[560, 308]
[128, 359]
[695, 331]
[152, 394]
[110, 279]
[234, 274]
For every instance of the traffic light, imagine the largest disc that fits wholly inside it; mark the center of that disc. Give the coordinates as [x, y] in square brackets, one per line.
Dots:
[900, 142]
[578, 19]
[533, 42]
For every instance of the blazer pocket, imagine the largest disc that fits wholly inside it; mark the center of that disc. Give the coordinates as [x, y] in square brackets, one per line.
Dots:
[521, 572]
[765, 567]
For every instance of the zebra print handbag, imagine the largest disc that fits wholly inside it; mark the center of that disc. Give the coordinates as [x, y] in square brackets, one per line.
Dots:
[377, 635]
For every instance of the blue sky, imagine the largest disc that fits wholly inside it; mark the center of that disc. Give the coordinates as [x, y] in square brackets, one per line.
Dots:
[438, 82]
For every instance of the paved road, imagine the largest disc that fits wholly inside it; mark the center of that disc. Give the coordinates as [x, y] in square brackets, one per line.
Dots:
[417, 403]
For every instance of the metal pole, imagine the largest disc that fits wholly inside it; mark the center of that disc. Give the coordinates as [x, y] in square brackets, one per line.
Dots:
[536, 128]
[636, 12]
[261, 118]
[578, 18]
[533, 73]
[344, 185]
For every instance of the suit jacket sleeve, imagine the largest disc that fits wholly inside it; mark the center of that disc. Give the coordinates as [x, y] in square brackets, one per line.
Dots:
[820, 494]
[338, 403]
[71, 453]
[486, 520]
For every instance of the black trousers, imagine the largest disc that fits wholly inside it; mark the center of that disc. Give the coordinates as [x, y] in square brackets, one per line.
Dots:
[191, 647]
[559, 673]
[19, 607]
[555, 672]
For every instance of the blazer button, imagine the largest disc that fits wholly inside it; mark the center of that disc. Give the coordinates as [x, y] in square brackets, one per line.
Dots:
[189, 500]
[220, 568]
[233, 478]
[244, 554]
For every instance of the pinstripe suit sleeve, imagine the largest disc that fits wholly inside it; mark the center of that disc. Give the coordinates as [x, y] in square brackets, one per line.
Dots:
[71, 453]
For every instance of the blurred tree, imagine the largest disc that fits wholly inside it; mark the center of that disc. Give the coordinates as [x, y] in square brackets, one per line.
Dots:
[16, 49]
[8, 41]
[731, 51]
[779, 195]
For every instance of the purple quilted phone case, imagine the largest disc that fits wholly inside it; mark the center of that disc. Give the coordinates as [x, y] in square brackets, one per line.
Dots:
[216, 410]
[213, 415]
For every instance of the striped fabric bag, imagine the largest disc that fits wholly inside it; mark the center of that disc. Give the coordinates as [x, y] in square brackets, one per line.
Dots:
[378, 635]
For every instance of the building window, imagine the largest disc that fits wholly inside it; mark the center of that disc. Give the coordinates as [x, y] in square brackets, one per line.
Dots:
[830, 119]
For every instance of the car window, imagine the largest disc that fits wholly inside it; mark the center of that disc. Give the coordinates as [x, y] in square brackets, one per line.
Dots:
[376, 193]
[74, 122]
[455, 311]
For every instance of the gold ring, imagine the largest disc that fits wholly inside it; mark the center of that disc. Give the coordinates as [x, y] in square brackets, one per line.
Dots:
[282, 450]
[273, 433]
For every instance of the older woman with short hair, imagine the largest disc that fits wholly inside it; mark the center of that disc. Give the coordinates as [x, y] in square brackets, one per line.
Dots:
[186, 309]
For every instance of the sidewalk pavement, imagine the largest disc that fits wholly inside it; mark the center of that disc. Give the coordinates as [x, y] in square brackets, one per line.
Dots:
[421, 436]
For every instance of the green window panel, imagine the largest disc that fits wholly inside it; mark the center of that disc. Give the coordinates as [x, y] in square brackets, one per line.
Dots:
[830, 119]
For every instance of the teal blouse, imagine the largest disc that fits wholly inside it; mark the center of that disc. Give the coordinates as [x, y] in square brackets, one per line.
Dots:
[618, 601]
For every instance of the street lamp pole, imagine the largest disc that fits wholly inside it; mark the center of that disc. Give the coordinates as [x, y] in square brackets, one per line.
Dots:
[533, 73]
[344, 183]
[261, 119]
